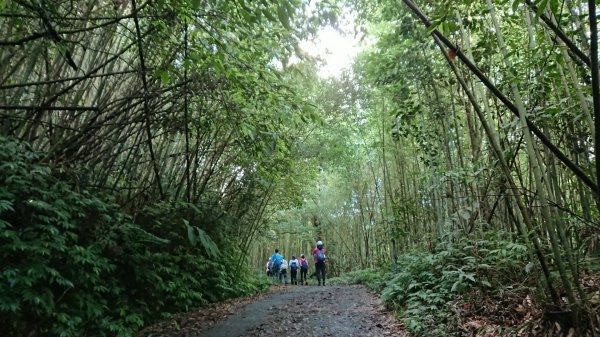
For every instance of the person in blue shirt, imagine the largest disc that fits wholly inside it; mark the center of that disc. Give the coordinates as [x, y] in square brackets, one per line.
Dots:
[276, 267]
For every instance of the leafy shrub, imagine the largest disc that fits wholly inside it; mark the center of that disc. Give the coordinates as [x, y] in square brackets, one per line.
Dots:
[73, 264]
[428, 283]
[55, 270]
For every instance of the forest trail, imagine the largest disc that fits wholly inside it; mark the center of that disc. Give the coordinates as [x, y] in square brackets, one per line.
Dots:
[299, 311]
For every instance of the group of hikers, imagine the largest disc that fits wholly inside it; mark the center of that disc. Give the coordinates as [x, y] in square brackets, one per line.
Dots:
[278, 266]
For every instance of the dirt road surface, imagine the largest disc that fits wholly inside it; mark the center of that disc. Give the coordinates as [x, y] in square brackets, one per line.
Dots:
[299, 311]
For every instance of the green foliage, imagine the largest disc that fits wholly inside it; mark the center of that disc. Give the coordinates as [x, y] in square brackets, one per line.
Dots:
[427, 284]
[371, 278]
[74, 264]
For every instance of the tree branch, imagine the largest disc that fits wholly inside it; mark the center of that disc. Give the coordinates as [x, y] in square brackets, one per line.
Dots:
[146, 106]
[561, 35]
[51, 108]
[595, 84]
[60, 80]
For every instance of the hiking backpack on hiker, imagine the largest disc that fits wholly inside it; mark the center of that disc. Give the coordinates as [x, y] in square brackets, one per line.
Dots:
[304, 264]
[320, 256]
[277, 259]
[294, 265]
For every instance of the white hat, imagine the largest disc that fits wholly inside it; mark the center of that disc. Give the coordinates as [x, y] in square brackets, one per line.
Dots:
[319, 243]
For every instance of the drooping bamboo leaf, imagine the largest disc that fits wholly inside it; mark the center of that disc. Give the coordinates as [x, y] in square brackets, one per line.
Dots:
[208, 244]
[283, 16]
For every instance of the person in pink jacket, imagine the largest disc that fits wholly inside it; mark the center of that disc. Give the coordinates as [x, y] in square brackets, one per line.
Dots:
[320, 255]
[303, 269]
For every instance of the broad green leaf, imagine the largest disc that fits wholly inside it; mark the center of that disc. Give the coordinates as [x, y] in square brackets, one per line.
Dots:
[191, 234]
[268, 14]
[455, 286]
[515, 5]
[208, 244]
[283, 16]
[6, 205]
[541, 6]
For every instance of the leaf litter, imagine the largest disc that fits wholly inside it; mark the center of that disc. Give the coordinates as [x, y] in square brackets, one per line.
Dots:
[516, 313]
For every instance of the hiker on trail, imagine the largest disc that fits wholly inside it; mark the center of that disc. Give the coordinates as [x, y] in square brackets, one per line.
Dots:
[283, 272]
[294, 266]
[269, 266]
[276, 263]
[303, 269]
[320, 255]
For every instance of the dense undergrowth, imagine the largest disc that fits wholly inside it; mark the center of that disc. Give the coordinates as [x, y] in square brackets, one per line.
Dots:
[74, 264]
[436, 293]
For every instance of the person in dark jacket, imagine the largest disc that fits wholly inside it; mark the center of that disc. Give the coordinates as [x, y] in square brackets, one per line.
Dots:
[320, 255]
[303, 269]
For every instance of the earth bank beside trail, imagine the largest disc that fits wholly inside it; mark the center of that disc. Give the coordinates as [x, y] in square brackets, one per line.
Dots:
[300, 311]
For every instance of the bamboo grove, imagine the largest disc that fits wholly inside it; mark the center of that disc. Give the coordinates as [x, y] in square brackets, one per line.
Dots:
[468, 120]
[149, 100]
[142, 142]
[151, 150]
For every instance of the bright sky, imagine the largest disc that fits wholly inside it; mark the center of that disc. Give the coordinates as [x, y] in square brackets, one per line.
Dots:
[338, 49]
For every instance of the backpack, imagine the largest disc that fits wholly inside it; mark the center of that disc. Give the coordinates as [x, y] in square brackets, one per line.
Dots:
[294, 265]
[304, 264]
[320, 255]
[277, 259]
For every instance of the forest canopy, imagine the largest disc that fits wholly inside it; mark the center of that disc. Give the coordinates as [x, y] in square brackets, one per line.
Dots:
[154, 153]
